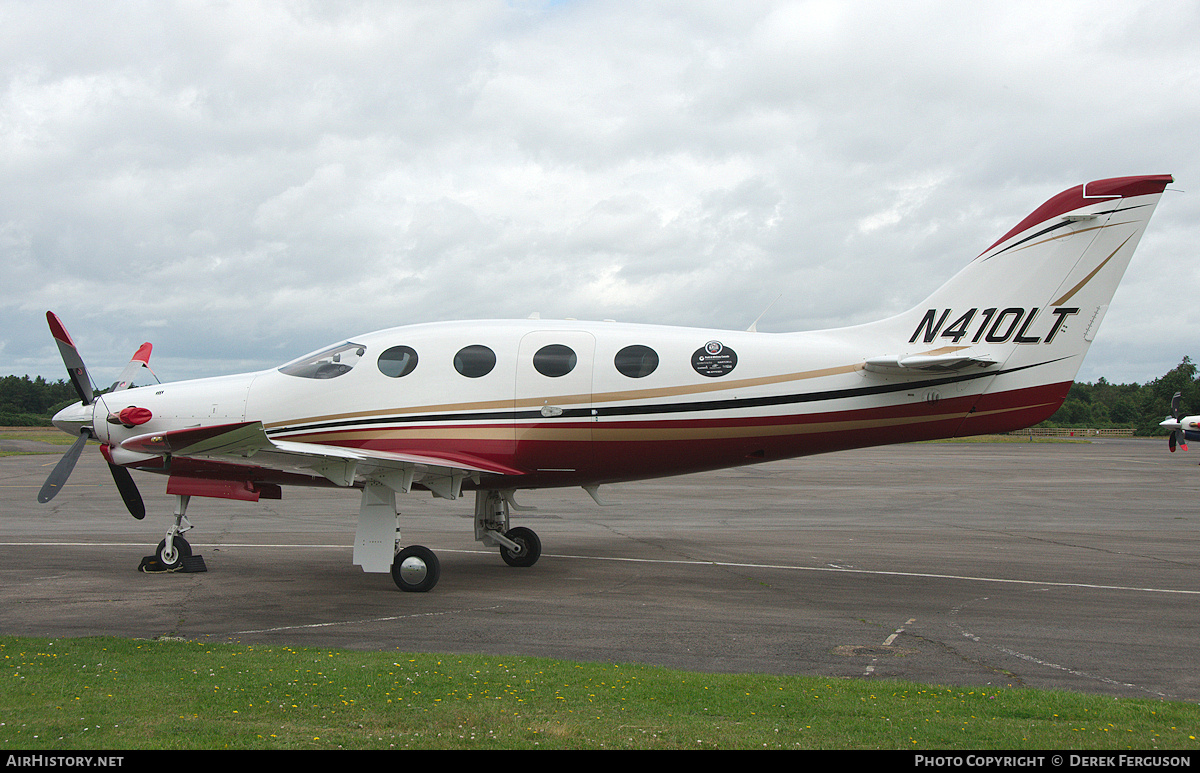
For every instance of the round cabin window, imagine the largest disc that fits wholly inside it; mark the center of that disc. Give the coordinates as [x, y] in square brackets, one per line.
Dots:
[636, 361]
[474, 361]
[554, 360]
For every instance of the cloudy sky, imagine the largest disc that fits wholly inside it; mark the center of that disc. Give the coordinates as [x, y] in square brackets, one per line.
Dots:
[243, 182]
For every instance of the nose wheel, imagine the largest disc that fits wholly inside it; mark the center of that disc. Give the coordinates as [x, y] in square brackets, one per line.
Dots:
[174, 554]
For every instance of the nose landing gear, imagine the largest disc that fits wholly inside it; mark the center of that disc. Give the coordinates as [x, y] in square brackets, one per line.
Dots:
[174, 554]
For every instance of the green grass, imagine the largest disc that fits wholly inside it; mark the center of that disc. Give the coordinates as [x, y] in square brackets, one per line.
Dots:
[107, 693]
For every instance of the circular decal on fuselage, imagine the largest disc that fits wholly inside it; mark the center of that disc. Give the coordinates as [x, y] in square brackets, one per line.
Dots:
[714, 359]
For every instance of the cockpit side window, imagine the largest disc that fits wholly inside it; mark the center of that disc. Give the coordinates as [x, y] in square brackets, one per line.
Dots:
[327, 363]
[398, 361]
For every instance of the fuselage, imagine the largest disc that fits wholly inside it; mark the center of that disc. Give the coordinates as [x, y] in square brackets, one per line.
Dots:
[575, 403]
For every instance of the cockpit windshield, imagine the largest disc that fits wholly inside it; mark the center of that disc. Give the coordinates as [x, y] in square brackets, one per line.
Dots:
[327, 363]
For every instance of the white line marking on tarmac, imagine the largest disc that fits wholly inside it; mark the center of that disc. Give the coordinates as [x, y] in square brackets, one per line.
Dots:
[954, 612]
[391, 618]
[887, 643]
[665, 562]
[877, 573]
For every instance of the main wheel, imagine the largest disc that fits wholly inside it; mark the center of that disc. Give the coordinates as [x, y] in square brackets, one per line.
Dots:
[180, 550]
[531, 547]
[416, 569]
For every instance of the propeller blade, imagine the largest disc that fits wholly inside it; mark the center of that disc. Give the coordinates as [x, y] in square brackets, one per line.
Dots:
[139, 362]
[129, 491]
[62, 470]
[76, 370]
[1173, 422]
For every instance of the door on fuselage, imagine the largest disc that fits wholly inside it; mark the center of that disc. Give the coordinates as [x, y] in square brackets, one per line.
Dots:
[554, 417]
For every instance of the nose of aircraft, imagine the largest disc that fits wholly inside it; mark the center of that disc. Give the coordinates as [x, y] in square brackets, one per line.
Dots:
[73, 418]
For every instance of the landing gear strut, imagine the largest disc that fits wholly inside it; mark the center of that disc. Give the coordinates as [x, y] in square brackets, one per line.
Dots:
[415, 569]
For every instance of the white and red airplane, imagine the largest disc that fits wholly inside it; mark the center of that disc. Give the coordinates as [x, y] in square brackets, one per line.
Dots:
[1182, 428]
[496, 407]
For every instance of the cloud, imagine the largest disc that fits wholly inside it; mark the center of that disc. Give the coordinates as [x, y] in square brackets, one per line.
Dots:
[245, 182]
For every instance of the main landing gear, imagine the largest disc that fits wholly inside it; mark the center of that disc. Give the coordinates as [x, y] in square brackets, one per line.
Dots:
[416, 568]
[519, 546]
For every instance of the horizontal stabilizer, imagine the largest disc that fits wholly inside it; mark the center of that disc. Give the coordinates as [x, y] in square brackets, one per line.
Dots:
[923, 364]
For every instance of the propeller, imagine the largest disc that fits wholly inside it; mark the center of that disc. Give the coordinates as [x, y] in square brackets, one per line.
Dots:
[82, 382]
[62, 470]
[1175, 424]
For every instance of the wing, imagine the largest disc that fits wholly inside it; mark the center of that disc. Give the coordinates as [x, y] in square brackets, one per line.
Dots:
[247, 443]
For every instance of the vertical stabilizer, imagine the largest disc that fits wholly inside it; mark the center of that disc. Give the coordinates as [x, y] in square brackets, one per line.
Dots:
[1022, 315]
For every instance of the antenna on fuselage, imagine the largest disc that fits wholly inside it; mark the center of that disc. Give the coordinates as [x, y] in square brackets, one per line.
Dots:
[754, 325]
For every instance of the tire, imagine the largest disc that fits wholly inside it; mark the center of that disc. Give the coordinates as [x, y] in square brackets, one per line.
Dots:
[531, 547]
[416, 569]
[181, 551]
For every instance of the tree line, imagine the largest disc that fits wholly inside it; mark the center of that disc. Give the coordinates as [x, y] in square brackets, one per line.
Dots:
[26, 402]
[31, 402]
[1137, 406]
